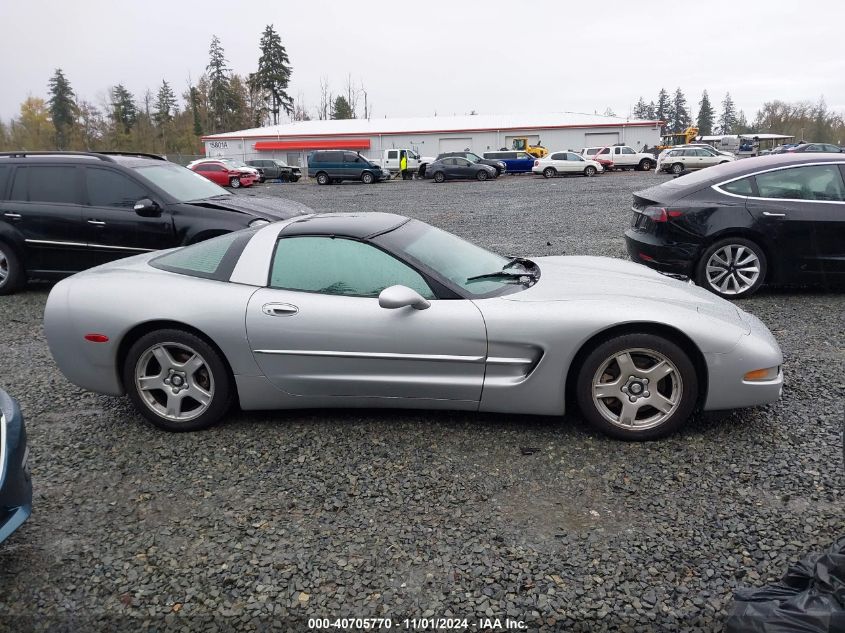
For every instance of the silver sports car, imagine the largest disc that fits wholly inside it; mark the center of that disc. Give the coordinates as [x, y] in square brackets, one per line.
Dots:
[378, 310]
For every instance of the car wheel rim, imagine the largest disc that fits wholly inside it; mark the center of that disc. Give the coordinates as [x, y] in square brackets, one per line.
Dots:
[174, 381]
[4, 268]
[549, 173]
[733, 269]
[637, 389]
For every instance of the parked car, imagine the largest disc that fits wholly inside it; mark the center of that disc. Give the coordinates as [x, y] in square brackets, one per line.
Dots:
[378, 310]
[392, 161]
[499, 165]
[455, 168]
[815, 148]
[275, 169]
[733, 227]
[334, 166]
[232, 163]
[691, 158]
[622, 156]
[15, 481]
[62, 212]
[515, 162]
[563, 163]
[224, 173]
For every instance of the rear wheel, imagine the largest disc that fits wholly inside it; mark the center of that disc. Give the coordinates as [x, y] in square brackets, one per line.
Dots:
[550, 172]
[482, 175]
[322, 178]
[177, 380]
[12, 276]
[439, 176]
[367, 178]
[732, 268]
[234, 182]
[589, 171]
[637, 387]
[677, 168]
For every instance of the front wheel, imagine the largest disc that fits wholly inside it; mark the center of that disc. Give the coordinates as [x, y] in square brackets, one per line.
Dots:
[482, 175]
[234, 182]
[549, 172]
[637, 387]
[589, 171]
[12, 275]
[177, 380]
[367, 178]
[732, 268]
[439, 176]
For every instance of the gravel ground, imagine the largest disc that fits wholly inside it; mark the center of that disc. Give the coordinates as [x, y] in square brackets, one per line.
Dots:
[272, 518]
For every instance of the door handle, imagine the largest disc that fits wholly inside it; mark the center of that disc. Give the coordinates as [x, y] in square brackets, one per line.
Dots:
[96, 222]
[279, 309]
[13, 216]
[774, 215]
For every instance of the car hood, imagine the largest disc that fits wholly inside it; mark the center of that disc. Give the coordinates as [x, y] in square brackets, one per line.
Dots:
[259, 206]
[602, 278]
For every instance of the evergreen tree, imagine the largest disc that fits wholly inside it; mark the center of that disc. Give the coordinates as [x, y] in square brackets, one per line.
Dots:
[661, 113]
[706, 115]
[640, 109]
[651, 111]
[274, 73]
[63, 108]
[195, 111]
[741, 126]
[165, 103]
[679, 118]
[124, 111]
[218, 86]
[341, 109]
[727, 120]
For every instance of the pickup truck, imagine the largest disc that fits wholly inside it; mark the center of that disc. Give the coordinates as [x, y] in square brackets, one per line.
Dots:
[623, 157]
[390, 161]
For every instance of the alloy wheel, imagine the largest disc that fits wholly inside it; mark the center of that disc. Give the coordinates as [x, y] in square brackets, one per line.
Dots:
[4, 267]
[174, 381]
[733, 269]
[637, 389]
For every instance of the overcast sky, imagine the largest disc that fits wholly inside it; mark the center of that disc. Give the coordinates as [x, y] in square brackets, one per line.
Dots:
[449, 57]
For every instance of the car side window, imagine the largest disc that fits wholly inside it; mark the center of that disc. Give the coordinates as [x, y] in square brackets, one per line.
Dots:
[628, 150]
[817, 182]
[108, 188]
[393, 154]
[351, 157]
[336, 266]
[574, 157]
[559, 156]
[462, 162]
[46, 184]
[604, 150]
[4, 175]
[741, 187]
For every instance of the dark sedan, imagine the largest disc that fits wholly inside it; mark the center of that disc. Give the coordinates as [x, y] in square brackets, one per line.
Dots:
[275, 169]
[815, 148]
[733, 227]
[499, 165]
[453, 168]
[15, 482]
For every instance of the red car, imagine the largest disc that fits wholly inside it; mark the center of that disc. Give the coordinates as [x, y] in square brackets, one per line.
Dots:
[223, 174]
[602, 158]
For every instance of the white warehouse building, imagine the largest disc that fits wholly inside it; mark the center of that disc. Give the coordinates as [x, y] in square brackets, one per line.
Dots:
[430, 136]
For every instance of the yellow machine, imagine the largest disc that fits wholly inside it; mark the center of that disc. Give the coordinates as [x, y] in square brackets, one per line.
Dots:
[679, 138]
[521, 144]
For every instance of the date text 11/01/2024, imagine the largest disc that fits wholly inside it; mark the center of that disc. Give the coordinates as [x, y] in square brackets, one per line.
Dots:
[418, 624]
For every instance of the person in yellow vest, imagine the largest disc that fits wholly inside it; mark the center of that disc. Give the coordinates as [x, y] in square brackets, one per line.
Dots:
[403, 164]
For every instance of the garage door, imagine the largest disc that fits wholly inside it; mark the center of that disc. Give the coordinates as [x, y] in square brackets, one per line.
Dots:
[453, 144]
[600, 139]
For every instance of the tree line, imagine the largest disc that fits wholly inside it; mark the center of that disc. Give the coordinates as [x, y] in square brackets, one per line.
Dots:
[803, 120]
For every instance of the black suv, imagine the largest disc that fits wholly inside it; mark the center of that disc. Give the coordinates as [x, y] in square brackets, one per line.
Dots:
[472, 157]
[275, 169]
[62, 212]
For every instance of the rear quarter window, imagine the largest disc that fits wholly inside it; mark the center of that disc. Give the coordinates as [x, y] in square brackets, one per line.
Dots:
[741, 187]
[211, 259]
[5, 170]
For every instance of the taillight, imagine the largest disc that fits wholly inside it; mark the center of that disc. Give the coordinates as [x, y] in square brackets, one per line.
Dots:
[661, 214]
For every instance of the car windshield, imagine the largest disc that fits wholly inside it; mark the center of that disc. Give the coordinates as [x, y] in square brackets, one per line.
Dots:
[181, 184]
[454, 259]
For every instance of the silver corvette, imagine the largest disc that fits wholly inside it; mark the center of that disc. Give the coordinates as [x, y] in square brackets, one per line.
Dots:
[377, 310]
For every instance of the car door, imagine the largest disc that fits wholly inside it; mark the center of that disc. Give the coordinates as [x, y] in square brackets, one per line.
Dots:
[44, 205]
[392, 160]
[801, 209]
[215, 172]
[318, 330]
[627, 156]
[464, 168]
[113, 228]
[574, 164]
[450, 167]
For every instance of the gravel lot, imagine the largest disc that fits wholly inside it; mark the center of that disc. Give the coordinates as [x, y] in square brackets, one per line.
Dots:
[272, 518]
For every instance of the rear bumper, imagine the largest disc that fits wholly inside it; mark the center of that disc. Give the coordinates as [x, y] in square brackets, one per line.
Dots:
[15, 481]
[656, 253]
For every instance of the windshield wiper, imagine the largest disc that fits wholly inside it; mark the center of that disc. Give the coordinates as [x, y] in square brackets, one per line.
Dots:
[504, 275]
[527, 263]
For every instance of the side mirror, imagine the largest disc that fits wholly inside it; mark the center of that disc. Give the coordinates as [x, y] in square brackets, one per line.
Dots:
[146, 208]
[400, 297]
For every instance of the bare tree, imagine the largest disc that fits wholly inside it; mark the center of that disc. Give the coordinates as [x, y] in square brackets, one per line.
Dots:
[300, 111]
[352, 95]
[325, 110]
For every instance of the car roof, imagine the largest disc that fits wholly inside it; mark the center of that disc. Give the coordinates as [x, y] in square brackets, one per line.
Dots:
[355, 225]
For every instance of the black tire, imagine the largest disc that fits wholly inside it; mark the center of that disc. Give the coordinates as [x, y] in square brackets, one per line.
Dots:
[549, 172]
[323, 178]
[234, 182]
[738, 288]
[682, 383]
[421, 171]
[589, 171]
[293, 179]
[645, 165]
[367, 178]
[677, 168]
[12, 273]
[214, 372]
[439, 176]
[482, 175]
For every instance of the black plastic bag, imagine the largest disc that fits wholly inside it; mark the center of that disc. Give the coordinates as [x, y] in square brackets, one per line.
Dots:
[810, 598]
